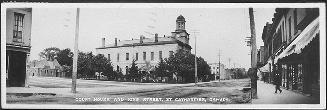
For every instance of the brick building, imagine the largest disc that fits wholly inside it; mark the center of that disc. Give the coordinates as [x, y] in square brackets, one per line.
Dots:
[18, 44]
[291, 45]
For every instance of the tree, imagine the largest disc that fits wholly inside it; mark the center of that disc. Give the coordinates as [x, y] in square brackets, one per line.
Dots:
[108, 69]
[99, 63]
[67, 70]
[161, 69]
[133, 72]
[49, 53]
[147, 68]
[85, 65]
[82, 65]
[65, 57]
[88, 64]
[182, 63]
[203, 69]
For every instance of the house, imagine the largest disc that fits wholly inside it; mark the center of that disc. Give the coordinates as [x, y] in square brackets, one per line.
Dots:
[45, 68]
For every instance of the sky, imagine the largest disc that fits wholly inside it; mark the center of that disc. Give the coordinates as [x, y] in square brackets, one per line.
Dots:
[217, 29]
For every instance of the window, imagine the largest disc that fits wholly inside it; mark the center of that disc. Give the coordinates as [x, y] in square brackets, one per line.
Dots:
[152, 55]
[171, 53]
[117, 57]
[277, 41]
[18, 27]
[144, 55]
[289, 29]
[109, 57]
[126, 70]
[127, 56]
[137, 56]
[283, 32]
[117, 68]
[295, 21]
[160, 55]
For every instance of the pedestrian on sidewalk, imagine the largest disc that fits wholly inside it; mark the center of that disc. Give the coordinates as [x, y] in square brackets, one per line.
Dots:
[277, 82]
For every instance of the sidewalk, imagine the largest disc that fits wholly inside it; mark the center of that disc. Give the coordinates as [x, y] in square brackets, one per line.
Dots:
[267, 95]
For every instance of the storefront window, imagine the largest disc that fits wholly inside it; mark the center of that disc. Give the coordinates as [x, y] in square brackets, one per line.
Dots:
[300, 77]
[284, 75]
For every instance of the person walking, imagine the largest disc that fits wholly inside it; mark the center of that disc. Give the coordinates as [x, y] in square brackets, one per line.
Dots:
[277, 82]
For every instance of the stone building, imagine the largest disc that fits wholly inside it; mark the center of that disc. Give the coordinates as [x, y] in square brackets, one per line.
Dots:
[45, 68]
[18, 44]
[292, 49]
[146, 52]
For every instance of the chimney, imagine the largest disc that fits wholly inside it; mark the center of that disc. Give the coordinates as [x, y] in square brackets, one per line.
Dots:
[115, 41]
[103, 42]
[156, 37]
[141, 39]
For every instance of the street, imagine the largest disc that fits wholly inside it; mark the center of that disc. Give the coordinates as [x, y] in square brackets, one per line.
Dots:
[53, 90]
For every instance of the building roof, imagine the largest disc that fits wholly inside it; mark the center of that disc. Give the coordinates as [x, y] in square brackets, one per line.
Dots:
[146, 42]
[180, 17]
[45, 64]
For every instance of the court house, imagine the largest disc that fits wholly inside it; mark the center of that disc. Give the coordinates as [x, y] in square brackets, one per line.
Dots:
[146, 52]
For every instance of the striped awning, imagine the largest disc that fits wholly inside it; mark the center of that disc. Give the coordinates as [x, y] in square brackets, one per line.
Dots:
[306, 36]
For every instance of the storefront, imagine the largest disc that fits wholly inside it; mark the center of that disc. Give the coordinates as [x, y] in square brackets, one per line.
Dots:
[299, 62]
[265, 72]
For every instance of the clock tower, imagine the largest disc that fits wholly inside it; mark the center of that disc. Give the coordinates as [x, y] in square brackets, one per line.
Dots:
[180, 23]
[180, 32]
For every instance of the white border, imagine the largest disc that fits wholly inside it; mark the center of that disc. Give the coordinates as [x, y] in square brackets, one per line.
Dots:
[171, 5]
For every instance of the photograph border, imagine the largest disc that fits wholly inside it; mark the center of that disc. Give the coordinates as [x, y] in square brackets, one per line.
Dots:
[322, 24]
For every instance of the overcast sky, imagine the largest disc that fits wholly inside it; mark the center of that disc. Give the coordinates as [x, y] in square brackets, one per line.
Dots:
[219, 28]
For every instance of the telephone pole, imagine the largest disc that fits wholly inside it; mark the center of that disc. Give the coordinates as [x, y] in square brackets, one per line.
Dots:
[75, 57]
[253, 72]
[234, 65]
[195, 60]
[229, 59]
[219, 64]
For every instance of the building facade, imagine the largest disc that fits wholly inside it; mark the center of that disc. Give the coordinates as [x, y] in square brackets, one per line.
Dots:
[219, 71]
[45, 68]
[18, 44]
[146, 52]
[260, 54]
[292, 49]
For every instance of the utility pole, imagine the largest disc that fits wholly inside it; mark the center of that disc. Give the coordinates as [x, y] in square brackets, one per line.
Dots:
[229, 59]
[234, 65]
[253, 72]
[195, 60]
[219, 64]
[75, 57]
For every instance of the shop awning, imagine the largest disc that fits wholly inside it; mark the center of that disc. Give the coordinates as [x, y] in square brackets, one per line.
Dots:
[265, 68]
[301, 41]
